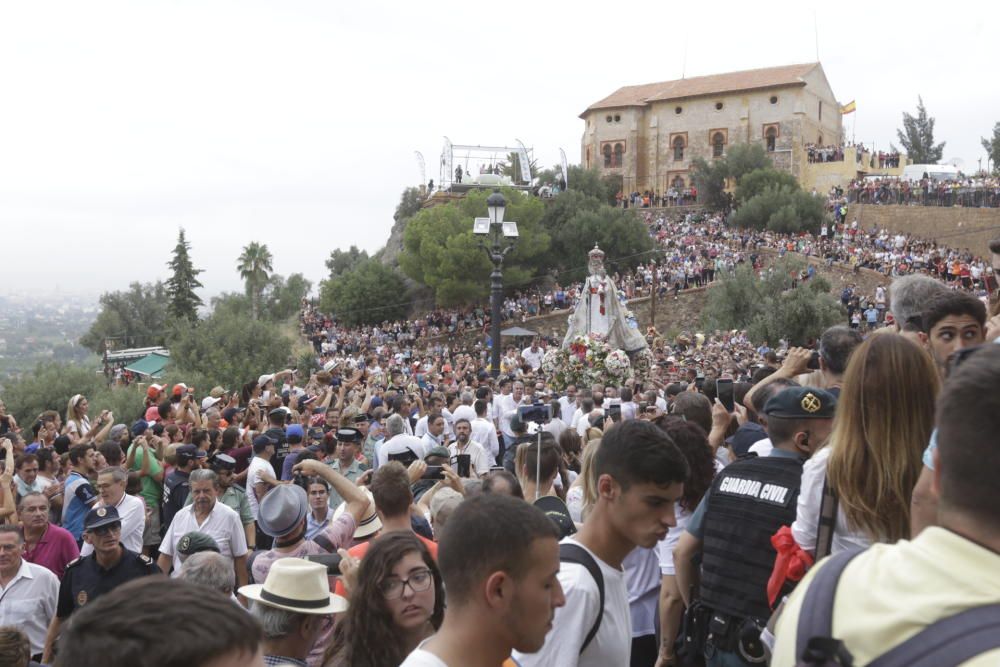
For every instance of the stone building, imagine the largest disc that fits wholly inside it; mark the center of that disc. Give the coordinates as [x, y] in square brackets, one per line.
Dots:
[651, 133]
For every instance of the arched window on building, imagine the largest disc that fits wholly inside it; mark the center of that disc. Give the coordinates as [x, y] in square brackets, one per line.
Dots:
[677, 183]
[607, 155]
[771, 138]
[619, 151]
[718, 144]
[678, 149]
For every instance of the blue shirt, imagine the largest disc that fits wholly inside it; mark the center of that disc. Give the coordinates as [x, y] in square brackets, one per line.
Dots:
[80, 496]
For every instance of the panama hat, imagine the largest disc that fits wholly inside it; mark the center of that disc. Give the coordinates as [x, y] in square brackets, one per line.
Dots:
[295, 584]
[369, 524]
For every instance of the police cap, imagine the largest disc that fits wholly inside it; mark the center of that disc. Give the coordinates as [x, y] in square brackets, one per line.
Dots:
[801, 403]
[100, 516]
[348, 435]
[195, 541]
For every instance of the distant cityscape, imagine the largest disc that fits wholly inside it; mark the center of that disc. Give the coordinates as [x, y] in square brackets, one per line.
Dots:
[37, 328]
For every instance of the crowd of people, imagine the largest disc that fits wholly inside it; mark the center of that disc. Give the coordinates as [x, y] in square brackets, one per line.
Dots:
[973, 192]
[402, 503]
[675, 195]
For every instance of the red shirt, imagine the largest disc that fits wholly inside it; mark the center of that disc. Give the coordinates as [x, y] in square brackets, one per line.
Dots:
[56, 548]
[359, 551]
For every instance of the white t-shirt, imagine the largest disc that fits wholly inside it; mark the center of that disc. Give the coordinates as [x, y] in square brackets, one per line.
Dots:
[665, 547]
[807, 513]
[464, 412]
[485, 433]
[534, 358]
[762, 448]
[479, 460]
[132, 511]
[422, 658]
[257, 466]
[642, 574]
[398, 444]
[612, 645]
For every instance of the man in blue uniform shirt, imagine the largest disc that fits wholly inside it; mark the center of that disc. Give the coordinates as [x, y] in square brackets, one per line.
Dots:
[88, 578]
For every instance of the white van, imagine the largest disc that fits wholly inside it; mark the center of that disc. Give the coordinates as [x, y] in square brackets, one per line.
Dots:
[938, 172]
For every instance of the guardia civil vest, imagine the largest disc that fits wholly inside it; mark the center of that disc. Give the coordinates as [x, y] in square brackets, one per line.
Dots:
[750, 500]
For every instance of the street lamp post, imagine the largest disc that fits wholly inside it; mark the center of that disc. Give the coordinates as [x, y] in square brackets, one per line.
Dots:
[496, 229]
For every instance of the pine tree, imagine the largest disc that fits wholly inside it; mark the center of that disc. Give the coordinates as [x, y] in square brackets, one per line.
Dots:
[183, 302]
[917, 137]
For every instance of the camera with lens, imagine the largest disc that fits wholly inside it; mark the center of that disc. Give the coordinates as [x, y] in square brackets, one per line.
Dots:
[539, 413]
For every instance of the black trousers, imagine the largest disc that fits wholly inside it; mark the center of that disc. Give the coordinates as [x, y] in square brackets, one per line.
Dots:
[644, 651]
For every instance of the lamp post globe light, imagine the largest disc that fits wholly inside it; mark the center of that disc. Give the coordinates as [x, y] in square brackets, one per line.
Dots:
[502, 238]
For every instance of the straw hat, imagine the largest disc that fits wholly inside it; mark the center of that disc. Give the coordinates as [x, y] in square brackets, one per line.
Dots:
[295, 584]
[370, 524]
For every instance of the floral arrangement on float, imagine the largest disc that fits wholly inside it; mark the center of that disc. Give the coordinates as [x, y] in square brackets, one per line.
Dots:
[587, 360]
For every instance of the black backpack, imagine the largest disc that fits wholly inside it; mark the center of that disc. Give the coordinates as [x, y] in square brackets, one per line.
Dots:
[946, 643]
[574, 553]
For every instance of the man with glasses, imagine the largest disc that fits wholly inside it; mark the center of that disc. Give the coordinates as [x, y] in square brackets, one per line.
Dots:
[89, 577]
[131, 510]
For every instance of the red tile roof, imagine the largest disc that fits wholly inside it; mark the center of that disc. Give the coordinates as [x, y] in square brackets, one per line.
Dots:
[713, 84]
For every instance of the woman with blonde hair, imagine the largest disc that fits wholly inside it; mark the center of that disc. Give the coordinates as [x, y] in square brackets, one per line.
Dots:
[582, 494]
[78, 426]
[885, 415]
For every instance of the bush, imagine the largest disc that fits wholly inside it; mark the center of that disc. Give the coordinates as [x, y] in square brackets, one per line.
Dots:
[770, 308]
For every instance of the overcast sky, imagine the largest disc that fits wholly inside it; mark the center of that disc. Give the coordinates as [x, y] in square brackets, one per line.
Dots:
[294, 123]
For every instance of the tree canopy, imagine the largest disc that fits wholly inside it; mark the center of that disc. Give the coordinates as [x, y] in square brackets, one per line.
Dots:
[771, 308]
[710, 176]
[254, 265]
[992, 146]
[136, 317]
[183, 282]
[341, 261]
[441, 252]
[368, 293]
[917, 137]
[227, 349]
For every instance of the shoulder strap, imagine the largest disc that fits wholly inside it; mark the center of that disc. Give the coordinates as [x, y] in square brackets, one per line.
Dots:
[816, 614]
[948, 642]
[827, 522]
[573, 553]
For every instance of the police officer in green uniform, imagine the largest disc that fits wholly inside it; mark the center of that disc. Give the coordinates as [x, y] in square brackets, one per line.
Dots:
[233, 495]
[89, 577]
[748, 502]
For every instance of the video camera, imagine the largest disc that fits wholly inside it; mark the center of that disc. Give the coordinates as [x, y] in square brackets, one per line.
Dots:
[539, 413]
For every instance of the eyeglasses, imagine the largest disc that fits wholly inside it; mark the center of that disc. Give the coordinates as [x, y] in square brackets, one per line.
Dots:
[418, 582]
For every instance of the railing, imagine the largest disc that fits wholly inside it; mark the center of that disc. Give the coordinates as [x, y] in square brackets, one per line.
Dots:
[972, 197]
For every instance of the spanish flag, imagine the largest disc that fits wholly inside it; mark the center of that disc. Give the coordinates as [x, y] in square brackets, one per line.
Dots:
[850, 107]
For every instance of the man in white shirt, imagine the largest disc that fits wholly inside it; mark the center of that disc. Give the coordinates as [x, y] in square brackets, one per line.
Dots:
[434, 436]
[514, 587]
[640, 475]
[28, 592]
[507, 408]
[567, 404]
[215, 519]
[484, 431]
[397, 441]
[465, 410]
[260, 473]
[479, 464]
[132, 510]
[533, 355]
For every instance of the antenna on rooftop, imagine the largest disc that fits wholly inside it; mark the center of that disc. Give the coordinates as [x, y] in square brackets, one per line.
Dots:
[685, 61]
[816, 32]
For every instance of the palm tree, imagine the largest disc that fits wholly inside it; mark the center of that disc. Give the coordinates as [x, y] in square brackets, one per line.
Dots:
[254, 266]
